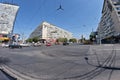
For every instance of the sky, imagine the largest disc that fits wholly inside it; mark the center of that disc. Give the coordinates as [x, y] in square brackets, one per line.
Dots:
[79, 17]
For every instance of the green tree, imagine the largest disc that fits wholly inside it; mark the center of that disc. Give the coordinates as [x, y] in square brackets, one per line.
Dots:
[62, 39]
[73, 40]
[29, 40]
[36, 39]
[92, 36]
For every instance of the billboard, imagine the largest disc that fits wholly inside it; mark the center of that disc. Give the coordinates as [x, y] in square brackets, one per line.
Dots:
[7, 17]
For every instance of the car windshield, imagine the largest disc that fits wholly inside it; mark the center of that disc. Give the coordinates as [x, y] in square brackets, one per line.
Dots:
[59, 39]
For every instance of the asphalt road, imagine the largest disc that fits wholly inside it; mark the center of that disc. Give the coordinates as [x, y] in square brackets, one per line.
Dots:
[65, 62]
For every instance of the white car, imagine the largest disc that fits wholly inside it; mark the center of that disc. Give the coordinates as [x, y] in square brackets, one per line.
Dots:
[37, 44]
[5, 45]
[25, 45]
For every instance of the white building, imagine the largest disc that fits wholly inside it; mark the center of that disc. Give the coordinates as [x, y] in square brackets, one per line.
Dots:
[8, 14]
[48, 31]
[109, 26]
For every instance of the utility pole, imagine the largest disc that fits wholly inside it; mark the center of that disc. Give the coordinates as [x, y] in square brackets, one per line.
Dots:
[23, 37]
[100, 38]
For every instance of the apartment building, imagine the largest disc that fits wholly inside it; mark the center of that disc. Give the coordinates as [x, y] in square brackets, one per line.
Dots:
[49, 31]
[8, 14]
[109, 26]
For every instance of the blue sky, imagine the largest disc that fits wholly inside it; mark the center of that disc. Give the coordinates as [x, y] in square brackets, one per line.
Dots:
[78, 16]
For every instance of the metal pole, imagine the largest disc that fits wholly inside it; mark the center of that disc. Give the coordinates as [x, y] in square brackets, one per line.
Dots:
[100, 39]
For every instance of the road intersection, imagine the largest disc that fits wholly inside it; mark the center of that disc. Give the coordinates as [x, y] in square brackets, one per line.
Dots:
[65, 62]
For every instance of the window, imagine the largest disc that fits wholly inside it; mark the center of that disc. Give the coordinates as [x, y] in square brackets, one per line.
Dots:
[118, 8]
[118, 12]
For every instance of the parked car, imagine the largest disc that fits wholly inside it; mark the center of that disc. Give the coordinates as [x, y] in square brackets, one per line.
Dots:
[37, 44]
[12, 46]
[5, 45]
[48, 44]
[65, 43]
[25, 45]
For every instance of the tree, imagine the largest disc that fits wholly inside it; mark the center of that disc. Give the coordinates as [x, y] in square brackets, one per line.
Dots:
[36, 39]
[73, 40]
[93, 36]
[62, 39]
[29, 40]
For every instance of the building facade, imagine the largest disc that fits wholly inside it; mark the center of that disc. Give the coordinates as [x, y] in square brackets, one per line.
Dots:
[109, 26]
[48, 31]
[8, 14]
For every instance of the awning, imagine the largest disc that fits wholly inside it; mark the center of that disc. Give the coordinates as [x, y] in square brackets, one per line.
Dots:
[4, 38]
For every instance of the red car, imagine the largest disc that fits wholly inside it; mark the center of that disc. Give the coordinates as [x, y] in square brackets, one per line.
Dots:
[48, 44]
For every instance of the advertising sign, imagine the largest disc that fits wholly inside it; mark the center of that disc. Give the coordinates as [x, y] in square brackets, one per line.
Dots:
[7, 17]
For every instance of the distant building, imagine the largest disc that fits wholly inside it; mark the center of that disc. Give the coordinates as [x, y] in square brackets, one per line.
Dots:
[109, 26]
[7, 17]
[48, 31]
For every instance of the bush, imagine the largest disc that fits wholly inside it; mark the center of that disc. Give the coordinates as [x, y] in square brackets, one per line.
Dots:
[87, 42]
[73, 40]
[62, 40]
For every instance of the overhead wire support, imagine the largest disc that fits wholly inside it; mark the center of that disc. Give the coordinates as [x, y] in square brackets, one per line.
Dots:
[60, 6]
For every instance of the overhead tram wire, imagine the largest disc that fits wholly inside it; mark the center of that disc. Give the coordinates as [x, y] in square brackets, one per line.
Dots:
[11, 1]
[35, 14]
[42, 17]
[60, 6]
[18, 22]
[37, 11]
[54, 12]
[18, 26]
[6, 1]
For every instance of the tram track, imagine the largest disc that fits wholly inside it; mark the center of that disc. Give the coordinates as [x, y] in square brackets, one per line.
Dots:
[108, 63]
